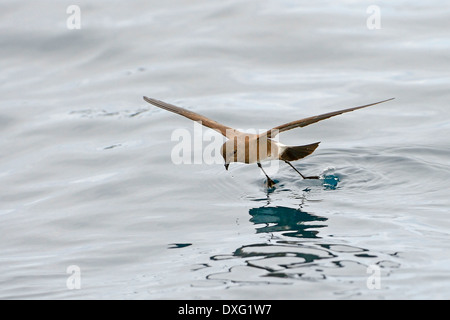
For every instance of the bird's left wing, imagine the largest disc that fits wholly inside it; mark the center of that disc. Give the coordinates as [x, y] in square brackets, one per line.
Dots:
[224, 130]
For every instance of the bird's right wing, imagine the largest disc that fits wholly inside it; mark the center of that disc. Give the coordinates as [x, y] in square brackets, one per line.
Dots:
[307, 121]
[224, 130]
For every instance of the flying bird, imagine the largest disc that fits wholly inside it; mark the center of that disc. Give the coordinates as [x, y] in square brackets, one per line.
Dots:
[254, 148]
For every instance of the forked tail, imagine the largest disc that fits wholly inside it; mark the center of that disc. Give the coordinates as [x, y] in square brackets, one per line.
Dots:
[299, 152]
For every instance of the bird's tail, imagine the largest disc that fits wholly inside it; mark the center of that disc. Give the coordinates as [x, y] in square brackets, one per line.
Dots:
[299, 152]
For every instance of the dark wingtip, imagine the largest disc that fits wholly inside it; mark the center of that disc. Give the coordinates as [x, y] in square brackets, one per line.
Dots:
[386, 100]
[150, 100]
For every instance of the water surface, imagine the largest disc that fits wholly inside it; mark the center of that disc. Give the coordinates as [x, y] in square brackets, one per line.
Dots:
[87, 177]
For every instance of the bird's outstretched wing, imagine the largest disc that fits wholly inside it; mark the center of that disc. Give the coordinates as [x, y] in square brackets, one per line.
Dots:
[307, 121]
[224, 130]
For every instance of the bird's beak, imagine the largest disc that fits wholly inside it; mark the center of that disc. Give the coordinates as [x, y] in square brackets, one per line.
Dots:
[226, 166]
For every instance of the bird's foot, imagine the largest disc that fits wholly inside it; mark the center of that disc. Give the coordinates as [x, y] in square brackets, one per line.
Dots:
[270, 183]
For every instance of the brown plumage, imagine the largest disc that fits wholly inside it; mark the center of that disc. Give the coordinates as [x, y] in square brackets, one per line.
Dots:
[253, 148]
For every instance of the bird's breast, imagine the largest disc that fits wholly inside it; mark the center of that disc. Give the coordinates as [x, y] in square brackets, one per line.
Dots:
[256, 150]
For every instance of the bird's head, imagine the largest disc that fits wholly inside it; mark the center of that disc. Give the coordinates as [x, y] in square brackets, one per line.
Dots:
[229, 152]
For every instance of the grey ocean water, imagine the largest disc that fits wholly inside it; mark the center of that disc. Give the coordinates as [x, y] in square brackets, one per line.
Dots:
[87, 180]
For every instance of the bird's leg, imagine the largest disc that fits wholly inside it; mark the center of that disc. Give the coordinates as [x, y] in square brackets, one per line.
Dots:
[270, 182]
[311, 177]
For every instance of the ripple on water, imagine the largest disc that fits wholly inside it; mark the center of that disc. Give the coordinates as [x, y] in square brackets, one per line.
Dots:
[296, 251]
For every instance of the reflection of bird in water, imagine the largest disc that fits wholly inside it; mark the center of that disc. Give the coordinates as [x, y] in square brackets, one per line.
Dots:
[288, 221]
[310, 257]
[254, 148]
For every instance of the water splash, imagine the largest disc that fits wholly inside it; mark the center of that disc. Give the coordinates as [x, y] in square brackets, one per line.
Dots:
[330, 179]
[330, 182]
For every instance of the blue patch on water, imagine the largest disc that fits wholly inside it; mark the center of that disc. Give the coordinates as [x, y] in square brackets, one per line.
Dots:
[330, 182]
